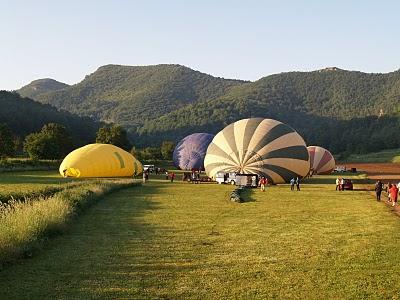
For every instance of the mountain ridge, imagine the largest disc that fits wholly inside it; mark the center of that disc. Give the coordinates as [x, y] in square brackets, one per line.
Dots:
[112, 90]
[168, 101]
[41, 86]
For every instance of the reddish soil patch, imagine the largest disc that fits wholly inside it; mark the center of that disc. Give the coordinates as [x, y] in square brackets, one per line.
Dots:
[383, 171]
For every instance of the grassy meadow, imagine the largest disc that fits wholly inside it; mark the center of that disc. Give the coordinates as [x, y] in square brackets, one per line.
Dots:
[37, 205]
[177, 240]
[29, 181]
[390, 155]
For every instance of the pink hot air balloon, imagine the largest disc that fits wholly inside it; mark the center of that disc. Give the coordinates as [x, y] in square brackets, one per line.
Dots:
[322, 161]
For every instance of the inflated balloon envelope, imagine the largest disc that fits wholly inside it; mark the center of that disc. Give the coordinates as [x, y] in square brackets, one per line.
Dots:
[189, 153]
[100, 160]
[322, 161]
[258, 146]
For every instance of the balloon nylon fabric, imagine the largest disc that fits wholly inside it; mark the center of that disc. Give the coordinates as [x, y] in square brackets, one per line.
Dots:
[258, 146]
[100, 160]
[190, 152]
[322, 161]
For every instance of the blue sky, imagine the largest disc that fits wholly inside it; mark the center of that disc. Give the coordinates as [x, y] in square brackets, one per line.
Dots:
[67, 40]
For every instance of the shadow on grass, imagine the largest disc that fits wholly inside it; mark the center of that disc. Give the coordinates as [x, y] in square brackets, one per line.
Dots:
[100, 248]
[247, 195]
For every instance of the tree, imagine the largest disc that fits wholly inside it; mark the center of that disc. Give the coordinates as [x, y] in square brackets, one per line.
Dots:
[115, 135]
[60, 134]
[149, 153]
[167, 148]
[52, 142]
[6, 141]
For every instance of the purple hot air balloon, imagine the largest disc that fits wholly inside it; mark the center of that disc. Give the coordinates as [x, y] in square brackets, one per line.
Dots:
[190, 152]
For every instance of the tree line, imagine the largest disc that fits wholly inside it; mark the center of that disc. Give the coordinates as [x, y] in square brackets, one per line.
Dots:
[54, 141]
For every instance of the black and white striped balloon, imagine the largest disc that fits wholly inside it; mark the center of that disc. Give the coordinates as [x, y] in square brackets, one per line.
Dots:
[258, 146]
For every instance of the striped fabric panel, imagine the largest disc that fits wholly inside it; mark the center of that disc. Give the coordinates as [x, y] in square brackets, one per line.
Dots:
[261, 146]
[322, 160]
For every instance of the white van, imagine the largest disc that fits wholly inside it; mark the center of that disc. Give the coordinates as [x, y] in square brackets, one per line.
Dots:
[222, 177]
[149, 168]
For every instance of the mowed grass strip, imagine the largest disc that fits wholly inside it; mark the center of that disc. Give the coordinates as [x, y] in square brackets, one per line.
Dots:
[185, 241]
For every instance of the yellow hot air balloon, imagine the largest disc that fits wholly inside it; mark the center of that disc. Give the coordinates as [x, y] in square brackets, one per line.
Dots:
[100, 160]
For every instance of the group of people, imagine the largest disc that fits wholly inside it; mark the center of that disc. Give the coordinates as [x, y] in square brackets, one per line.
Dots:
[168, 176]
[295, 181]
[339, 184]
[391, 189]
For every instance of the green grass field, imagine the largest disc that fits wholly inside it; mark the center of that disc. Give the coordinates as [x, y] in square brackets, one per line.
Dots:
[392, 155]
[29, 181]
[183, 240]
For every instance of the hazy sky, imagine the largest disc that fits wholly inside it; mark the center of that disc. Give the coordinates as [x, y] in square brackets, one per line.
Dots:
[67, 40]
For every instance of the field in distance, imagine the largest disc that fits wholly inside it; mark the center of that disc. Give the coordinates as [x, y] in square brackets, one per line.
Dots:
[385, 156]
[181, 240]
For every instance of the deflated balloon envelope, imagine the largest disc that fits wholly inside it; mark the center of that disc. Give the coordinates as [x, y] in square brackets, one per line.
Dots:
[258, 146]
[100, 160]
[322, 161]
[190, 152]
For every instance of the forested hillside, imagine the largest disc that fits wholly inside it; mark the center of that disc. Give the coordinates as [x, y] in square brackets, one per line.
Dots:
[130, 95]
[330, 107]
[23, 116]
[41, 86]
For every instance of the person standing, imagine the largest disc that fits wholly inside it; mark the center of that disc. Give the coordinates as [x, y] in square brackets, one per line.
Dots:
[172, 176]
[378, 190]
[388, 187]
[166, 175]
[292, 184]
[262, 183]
[254, 181]
[393, 194]
[144, 177]
[341, 184]
[337, 184]
[298, 183]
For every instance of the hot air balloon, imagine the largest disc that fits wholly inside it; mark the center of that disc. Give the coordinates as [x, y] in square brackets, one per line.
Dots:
[322, 161]
[100, 160]
[190, 152]
[258, 146]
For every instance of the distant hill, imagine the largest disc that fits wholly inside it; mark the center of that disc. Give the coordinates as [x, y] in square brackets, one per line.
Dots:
[169, 101]
[131, 95]
[311, 102]
[41, 86]
[23, 116]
